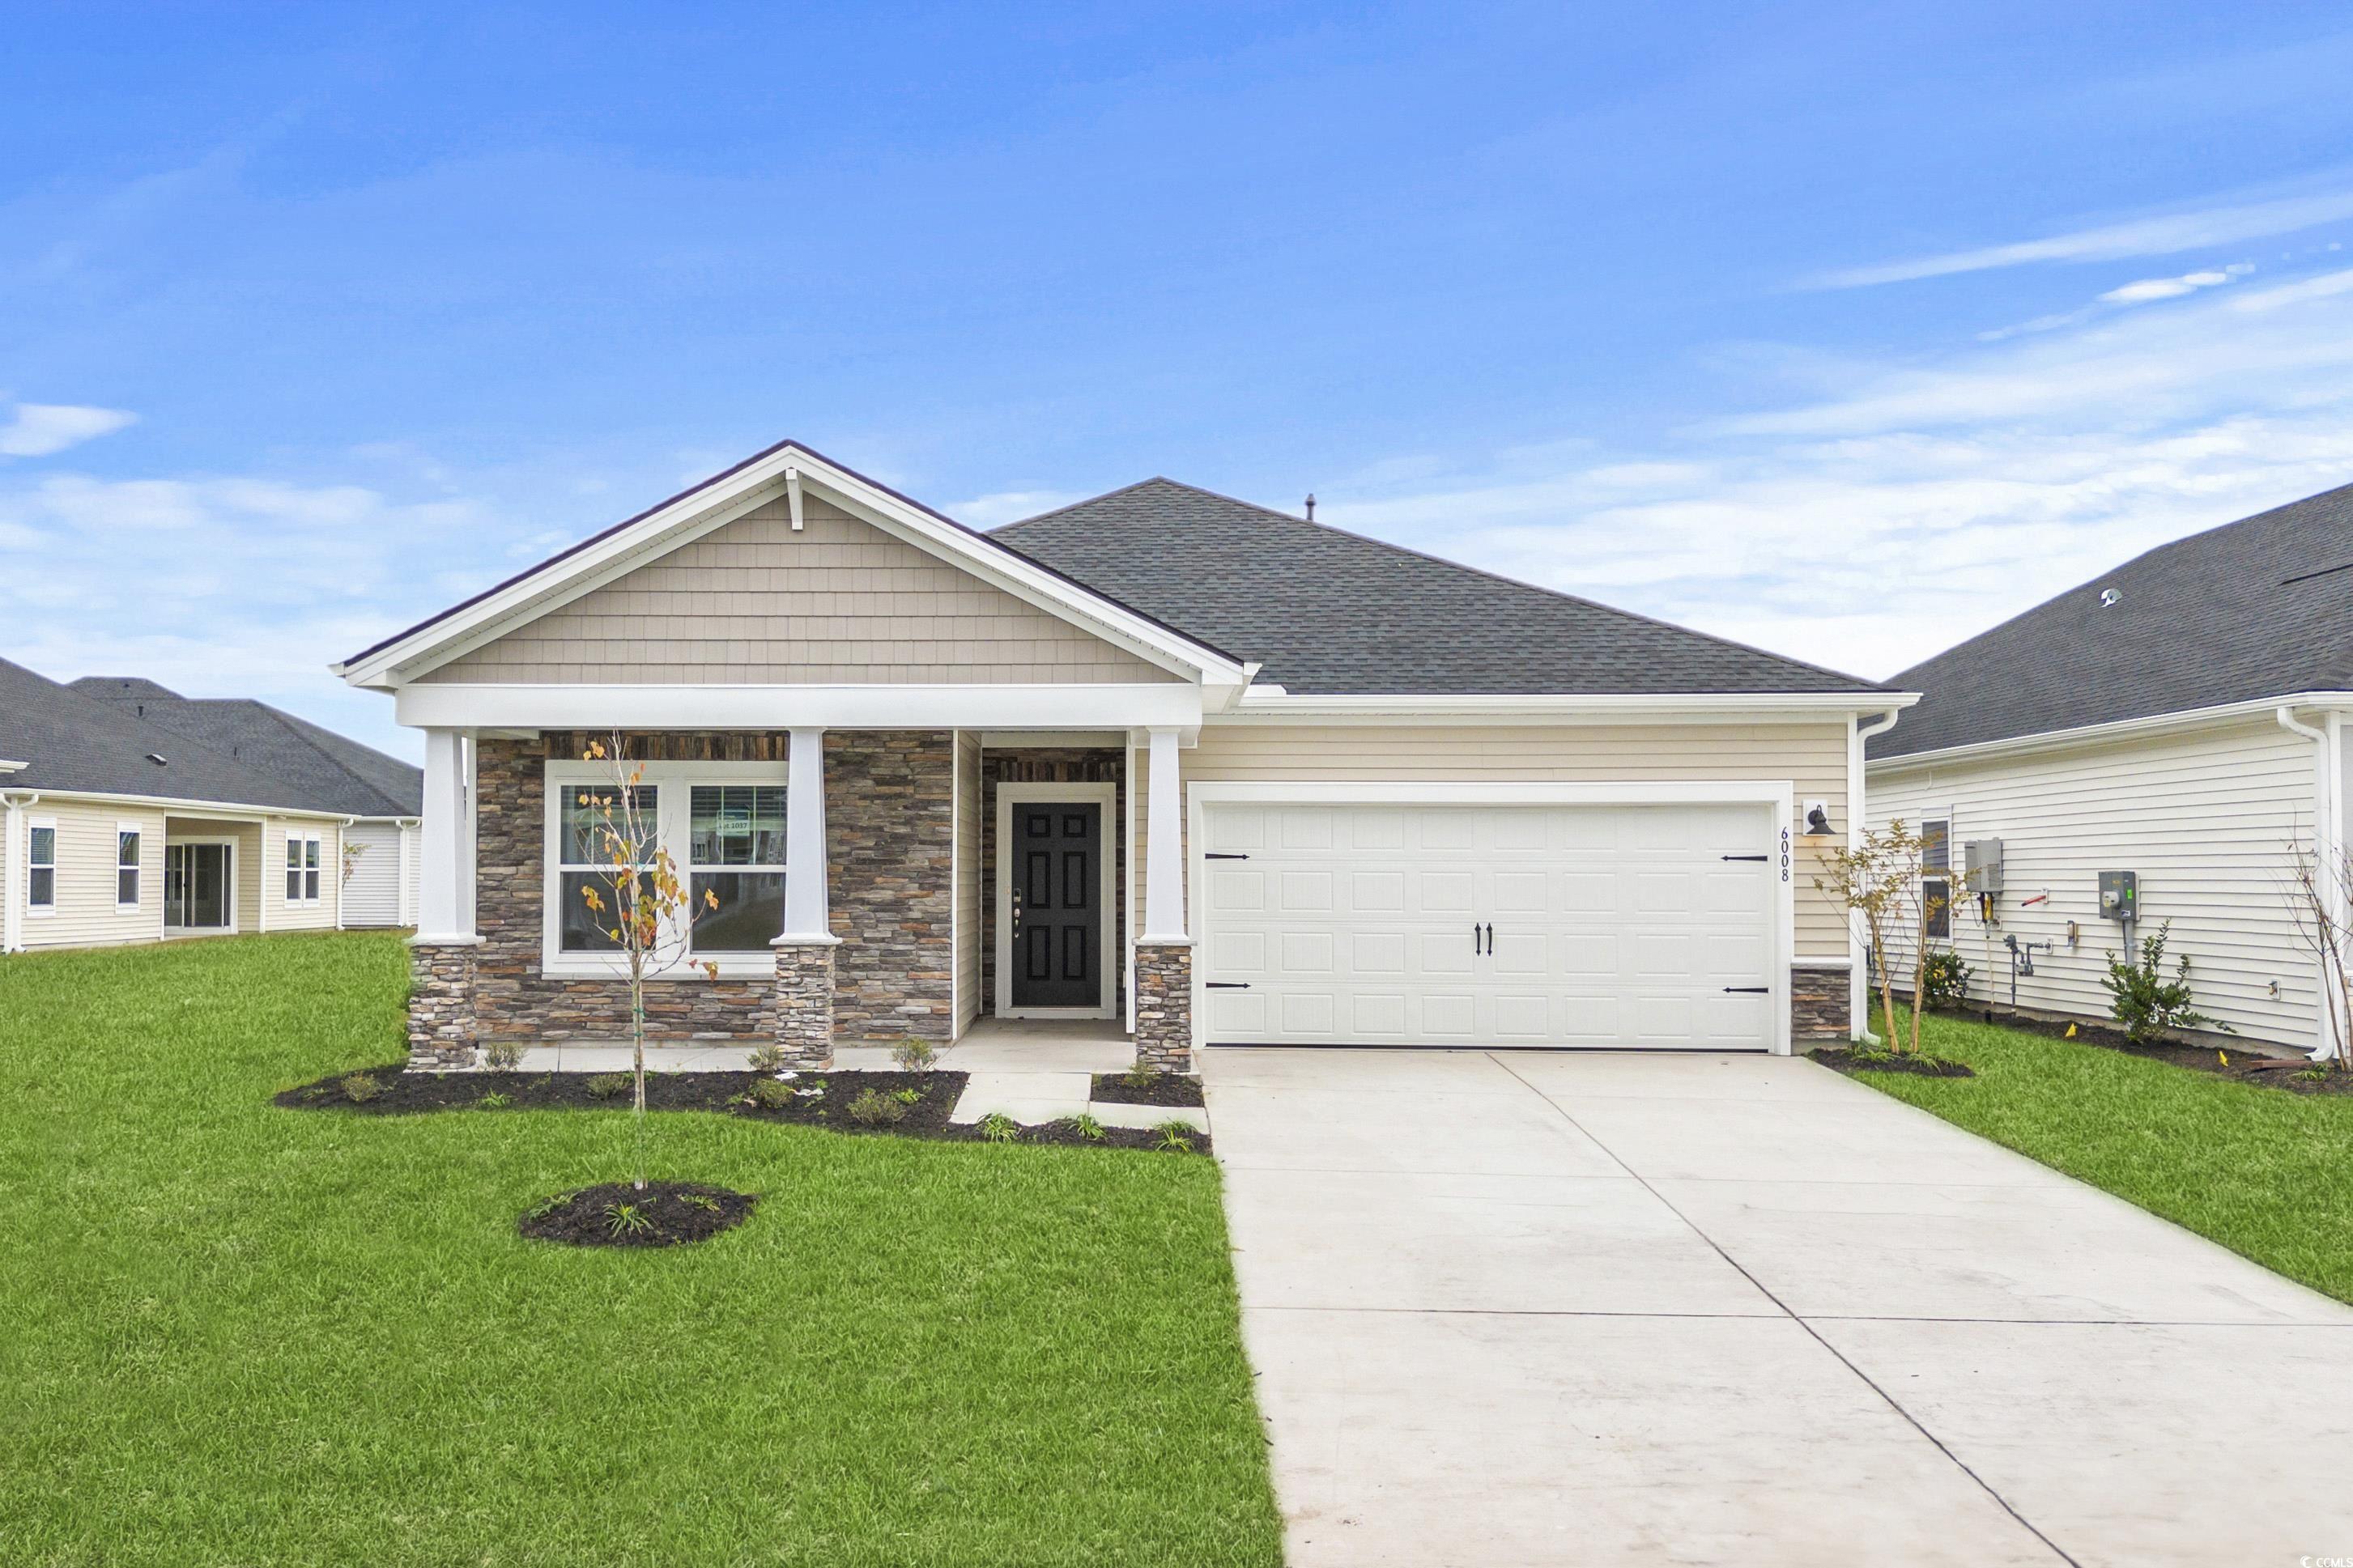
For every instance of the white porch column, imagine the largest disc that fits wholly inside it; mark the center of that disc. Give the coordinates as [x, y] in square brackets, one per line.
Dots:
[444, 912]
[1164, 868]
[15, 846]
[807, 907]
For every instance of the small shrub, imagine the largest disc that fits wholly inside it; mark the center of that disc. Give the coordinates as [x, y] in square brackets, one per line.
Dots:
[1944, 981]
[768, 1059]
[2147, 1004]
[2310, 1074]
[548, 1205]
[502, 1056]
[873, 1109]
[609, 1086]
[907, 1096]
[1176, 1137]
[493, 1101]
[914, 1054]
[626, 1220]
[998, 1128]
[774, 1094]
[361, 1087]
[1086, 1126]
[701, 1201]
[1139, 1075]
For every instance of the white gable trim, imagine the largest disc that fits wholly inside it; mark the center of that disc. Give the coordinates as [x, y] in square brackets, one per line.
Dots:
[722, 500]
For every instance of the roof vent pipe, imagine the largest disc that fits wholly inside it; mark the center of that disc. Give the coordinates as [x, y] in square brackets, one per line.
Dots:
[1311, 506]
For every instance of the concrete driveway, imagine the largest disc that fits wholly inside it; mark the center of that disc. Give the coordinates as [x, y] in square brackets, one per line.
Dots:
[1521, 1308]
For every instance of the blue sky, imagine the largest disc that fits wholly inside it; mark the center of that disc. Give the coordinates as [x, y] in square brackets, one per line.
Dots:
[1845, 330]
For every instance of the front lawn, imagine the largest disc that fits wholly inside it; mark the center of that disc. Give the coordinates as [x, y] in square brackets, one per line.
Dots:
[238, 1334]
[2265, 1172]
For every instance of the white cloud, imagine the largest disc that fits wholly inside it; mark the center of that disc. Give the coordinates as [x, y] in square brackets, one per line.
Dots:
[2164, 235]
[37, 429]
[2151, 289]
[1002, 507]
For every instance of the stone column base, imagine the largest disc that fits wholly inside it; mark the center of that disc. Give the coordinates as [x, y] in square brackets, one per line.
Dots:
[1818, 1004]
[805, 1000]
[1164, 1006]
[441, 1004]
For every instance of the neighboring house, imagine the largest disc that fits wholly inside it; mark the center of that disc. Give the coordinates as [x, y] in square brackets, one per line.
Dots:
[2181, 718]
[1209, 770]
[129, 812]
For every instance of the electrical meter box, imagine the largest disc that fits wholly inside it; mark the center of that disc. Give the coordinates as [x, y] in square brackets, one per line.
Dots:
[1981, 865]
[2119, 896]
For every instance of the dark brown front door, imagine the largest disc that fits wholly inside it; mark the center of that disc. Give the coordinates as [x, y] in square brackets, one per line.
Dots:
[1057, 904]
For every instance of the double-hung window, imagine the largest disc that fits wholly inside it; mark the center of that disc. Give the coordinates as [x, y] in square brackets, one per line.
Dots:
[302, 868]
[126, 867]
[736, 854]
[1937, 880]
[41, 867]
[585, 859]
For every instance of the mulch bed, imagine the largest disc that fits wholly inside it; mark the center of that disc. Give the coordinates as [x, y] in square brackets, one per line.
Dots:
[2245, 1065]
[1165, 1088]
[616, 1213]
[1842, 1059]
[394, 1091]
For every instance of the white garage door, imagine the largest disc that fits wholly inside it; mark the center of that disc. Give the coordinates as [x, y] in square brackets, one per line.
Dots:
[1518, 925]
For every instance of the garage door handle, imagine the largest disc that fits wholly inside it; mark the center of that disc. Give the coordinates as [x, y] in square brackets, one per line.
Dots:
[1213, 855]
[1750, 990]
[1760, 859]
[1226, 984]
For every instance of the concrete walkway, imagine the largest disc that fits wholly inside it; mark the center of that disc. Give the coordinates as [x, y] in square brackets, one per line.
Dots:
[1584, 1309]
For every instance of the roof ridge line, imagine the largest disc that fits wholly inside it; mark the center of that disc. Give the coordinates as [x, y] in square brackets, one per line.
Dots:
[292, 726]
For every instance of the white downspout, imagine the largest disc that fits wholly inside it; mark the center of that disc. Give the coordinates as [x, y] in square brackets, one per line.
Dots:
[13, 852]
[1858, 776]
[2328, 835]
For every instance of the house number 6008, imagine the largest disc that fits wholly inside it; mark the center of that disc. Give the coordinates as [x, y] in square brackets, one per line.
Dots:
[1785, 854]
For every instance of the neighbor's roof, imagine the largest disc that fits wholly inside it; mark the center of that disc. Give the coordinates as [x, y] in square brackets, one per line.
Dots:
[2260, 608]
[332, 773]
[1330, 613]
[97, 740]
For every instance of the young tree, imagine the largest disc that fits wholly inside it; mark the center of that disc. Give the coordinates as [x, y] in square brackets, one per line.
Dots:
[639, 901]
[1881, 880]
[2320, 876]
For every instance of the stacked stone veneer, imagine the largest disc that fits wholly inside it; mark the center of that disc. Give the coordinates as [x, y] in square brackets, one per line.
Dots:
[804, 1003]
[1164, 1006]
[441, 1027]
[1819, 1004]
[889, 820]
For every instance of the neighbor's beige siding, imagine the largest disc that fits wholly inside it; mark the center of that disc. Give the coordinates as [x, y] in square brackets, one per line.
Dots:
[1812, 757]
[2204, 817]
[86, 915]
[969, 922]
[841, 603]
[284, 915]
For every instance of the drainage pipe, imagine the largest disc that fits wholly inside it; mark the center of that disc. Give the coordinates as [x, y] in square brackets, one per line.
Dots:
[2328, 851]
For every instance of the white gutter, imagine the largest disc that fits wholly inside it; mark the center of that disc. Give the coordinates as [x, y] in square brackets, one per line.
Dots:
[2121, 729]
[1858, 780]
[1259, 701]
[2328, 843]
[182, 805]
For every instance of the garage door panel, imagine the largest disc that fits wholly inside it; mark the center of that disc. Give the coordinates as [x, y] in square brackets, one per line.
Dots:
[1512, 925]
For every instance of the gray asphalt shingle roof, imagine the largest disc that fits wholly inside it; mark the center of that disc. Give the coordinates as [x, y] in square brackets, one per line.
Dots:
[1331, 613]
[2260, 608]
[100, 733]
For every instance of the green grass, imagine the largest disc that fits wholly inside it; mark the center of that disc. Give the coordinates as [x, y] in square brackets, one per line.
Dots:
[235, 1334]
[2265, 1172]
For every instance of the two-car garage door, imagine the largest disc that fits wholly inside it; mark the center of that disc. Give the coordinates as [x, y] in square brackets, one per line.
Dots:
[1600, 925]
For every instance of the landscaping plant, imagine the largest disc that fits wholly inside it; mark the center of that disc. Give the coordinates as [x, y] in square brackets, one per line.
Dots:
[2148, 1006]
[914, 1054]
[1945, 980]
[639, 900]
[2320, 883]
[1880, 878]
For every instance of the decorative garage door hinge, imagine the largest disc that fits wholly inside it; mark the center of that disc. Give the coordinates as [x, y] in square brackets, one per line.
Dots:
[1760, 859]
[1226, 984]
[1213, 855]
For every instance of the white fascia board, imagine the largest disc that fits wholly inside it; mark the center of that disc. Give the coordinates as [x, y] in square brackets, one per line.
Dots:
[1639, 792]
[1676, 708]
[2120, 730]
[180, 805]
[1055, 707]
[722, 501]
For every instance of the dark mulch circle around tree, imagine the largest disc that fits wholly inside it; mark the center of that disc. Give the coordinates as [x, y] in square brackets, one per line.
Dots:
[2244, 1064]
[617, 1213]
[1842, 1059]
[901, 1104]
[1160, 1088]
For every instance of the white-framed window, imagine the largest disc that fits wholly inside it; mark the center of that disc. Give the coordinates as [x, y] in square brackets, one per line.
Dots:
[41, 866]
[127, 838]
[723, 826]
[302, 868]
[1936, 885]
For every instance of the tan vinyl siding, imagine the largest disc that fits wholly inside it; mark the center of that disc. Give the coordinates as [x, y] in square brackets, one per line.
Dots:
[969, 922]
[841, 603]
[1811, 757]
[286, 916]
[372, 896]
[86, 915]
[2204, 817]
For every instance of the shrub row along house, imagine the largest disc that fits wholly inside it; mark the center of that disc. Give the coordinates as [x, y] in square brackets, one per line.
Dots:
[129, 813]
[1203, 771]
[2163, 744]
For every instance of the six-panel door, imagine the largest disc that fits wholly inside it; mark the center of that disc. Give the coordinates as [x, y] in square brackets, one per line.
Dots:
[1519, 925]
